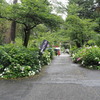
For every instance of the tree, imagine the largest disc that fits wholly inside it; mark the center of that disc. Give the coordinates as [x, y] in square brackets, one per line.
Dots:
[13, 27]
[31, 13]
[83, 21]
[73, 9]
[80, 30]
[87, 7]
[2, 30]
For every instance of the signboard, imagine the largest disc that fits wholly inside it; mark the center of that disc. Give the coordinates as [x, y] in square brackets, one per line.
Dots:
[44, 45]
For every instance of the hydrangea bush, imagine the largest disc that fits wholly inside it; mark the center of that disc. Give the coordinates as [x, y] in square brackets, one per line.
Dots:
[88, 57]
[16, 61]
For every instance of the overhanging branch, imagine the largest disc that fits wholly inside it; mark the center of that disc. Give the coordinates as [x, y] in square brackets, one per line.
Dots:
[11, 19]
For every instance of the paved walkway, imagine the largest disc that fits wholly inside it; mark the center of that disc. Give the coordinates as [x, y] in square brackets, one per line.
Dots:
[62, 80]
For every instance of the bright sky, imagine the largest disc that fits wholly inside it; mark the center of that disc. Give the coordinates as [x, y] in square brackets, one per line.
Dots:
[64, 2]
[10, 1]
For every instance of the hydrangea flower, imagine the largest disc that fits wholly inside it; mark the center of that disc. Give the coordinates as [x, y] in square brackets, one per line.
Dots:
[82, 62]
[78, 59]
[30, 73]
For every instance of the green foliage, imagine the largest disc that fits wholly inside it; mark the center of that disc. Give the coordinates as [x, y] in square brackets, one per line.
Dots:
[73, 9]
[80, 30]
[17, 61]
[83, 21]
[30, 13]
[74, 29]
[97, 20]
[86, 7]
[1, 38]
[91, 43]
[5, 59]
[51, 51]
[89, 57]
[46, 58]
[17, 71]
[98, 40]
[73, 49]
[3, 29]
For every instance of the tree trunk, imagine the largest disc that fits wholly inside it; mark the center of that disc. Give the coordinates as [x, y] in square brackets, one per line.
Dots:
[13, 31]
[26, 37]
[13, 27]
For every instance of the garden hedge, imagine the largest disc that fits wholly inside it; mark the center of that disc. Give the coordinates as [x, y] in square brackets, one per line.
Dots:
[18, 61]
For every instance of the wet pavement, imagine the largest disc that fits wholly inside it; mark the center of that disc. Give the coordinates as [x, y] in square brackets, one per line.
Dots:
[61, 80]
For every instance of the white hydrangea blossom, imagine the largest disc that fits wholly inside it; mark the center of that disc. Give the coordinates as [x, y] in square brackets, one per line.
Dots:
[22, 68]
[7, 70]
[30, 73]
[1, 75]
[96, 58]
[82, 62]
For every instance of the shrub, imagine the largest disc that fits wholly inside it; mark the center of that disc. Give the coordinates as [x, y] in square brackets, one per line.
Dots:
[51, 52]
[73, 50]
[5, 59]
[18, 61]
[88, 57]
[91, 43]
[16, 71]
[45, 58]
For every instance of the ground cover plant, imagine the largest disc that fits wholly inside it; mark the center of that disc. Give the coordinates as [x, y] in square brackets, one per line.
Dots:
[88, 57]
[18, 61]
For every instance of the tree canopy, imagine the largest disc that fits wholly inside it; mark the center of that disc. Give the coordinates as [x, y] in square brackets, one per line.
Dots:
[30, 13]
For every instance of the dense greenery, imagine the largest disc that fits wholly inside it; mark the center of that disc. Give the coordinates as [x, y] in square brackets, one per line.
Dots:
[33, 18]
[34, 22]
[82, 23]
[84, 8]
[30, 13]
[79, 30]
[83, 28]
[88, 57]
[18, 61]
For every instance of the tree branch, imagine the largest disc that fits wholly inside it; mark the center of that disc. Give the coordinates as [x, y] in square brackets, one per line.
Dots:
[11, 19]
[33, 26]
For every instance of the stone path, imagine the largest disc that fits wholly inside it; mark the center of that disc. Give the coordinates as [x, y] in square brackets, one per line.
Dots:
[61, 80]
